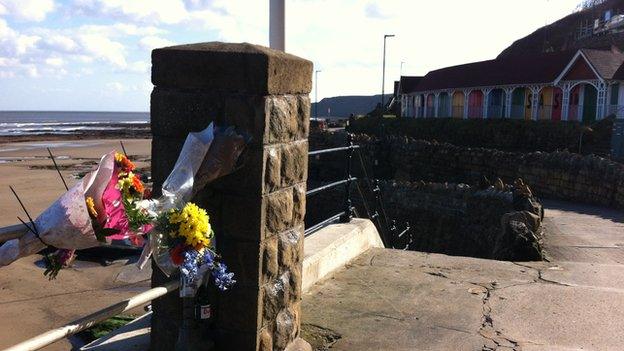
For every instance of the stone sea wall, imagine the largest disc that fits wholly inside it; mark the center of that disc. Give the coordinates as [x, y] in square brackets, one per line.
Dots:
[457, 219]
[562, 175]
[453, 219]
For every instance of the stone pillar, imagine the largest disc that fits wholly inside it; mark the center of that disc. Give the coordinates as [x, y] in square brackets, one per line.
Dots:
[257, 213]
[436, 104]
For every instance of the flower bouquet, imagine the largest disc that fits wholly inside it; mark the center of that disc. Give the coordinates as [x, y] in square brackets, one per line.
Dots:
[111, 203]
[182, 237]
[187, 242]
[103, 206]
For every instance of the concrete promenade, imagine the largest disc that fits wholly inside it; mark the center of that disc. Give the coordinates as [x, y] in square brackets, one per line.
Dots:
[394, 300]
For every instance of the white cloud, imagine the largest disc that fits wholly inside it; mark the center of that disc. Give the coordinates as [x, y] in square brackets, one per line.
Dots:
[31, 55]
[373, 10]
[13, 43]
[7, 62]
[153, 42]
[144, 11]
[116, 87]
[194, 5]
[138, 67]
[7, 74]
[59, 43]
[121, 29]
[103, 48]
[54, 61]
[27, 10]
[232, 20]
[343, 38]
[32, 71]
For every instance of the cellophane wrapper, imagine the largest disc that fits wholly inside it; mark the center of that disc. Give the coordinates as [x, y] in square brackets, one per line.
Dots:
[205, 156]
[66, 223]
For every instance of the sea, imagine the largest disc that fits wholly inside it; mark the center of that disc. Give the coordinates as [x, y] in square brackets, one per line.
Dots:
[24, 123]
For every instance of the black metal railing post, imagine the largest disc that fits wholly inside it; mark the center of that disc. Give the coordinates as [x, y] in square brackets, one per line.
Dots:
[348, 209]
[379, 215]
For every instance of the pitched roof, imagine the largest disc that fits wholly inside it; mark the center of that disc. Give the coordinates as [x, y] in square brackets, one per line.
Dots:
[409, 83]
[605, 62]
[521, 69]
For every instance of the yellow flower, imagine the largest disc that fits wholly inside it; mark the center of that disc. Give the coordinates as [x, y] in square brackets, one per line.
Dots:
[91, 207]
[193, 225]
[125, 182]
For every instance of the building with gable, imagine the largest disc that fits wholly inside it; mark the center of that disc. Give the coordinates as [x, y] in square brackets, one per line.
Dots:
[579, 85]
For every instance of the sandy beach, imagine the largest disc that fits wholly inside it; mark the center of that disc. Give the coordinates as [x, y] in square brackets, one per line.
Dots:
[27, 167]
[29, 303]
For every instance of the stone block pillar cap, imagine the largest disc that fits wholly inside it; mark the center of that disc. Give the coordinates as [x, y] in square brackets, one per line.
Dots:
[231, 68]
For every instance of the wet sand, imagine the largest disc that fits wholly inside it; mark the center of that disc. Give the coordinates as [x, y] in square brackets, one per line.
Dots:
[29, 303]
[27, 167]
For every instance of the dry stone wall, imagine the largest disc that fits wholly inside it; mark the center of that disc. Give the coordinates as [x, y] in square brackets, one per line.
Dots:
[457, 219]
[562, 175]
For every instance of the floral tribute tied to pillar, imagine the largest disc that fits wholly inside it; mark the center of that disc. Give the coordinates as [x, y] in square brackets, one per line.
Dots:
[188, 238]
[112, 203]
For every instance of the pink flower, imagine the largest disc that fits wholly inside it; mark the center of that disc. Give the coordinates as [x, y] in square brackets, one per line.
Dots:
[114, 209]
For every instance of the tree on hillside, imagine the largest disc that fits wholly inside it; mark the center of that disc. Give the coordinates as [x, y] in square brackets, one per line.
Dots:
[587, 4]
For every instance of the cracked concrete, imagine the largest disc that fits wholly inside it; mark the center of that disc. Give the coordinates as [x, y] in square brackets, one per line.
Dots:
[396, 300]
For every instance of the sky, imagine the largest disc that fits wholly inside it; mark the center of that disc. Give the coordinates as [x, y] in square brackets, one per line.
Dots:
[94, 55]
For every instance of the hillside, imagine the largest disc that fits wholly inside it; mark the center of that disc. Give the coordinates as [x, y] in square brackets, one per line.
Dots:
[344, 106]
[572, 32]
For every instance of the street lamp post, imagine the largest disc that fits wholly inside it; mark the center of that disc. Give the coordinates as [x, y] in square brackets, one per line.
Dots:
[383, 73]
[316, 93]
[277, 25]
[399, 95]
[400, 76]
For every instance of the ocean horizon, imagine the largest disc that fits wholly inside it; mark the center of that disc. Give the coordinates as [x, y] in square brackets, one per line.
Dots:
[18, 123]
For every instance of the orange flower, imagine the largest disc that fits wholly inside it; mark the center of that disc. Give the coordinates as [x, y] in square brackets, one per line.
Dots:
[124, 162]
[137, 184]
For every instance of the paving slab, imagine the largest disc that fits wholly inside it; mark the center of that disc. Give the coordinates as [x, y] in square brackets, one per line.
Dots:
[397, 300]
[583, 233]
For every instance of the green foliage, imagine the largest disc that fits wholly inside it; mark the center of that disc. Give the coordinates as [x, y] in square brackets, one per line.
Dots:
[53, 266]
[137, 217]
[103, 328]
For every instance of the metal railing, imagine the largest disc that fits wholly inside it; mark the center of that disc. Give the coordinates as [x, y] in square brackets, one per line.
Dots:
[54, 335]
[347, 213]
[12, 232]
[388, 230]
